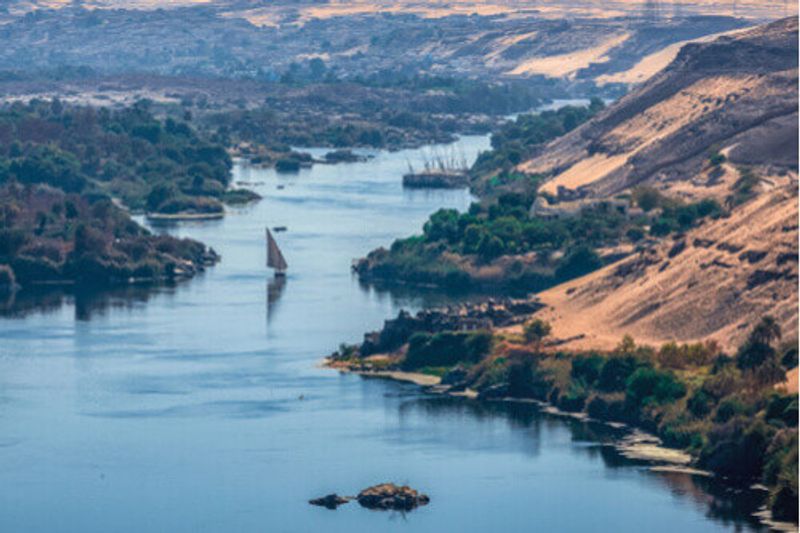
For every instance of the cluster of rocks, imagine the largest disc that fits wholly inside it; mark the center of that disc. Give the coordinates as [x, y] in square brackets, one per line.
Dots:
[487, 314]
[383, 497]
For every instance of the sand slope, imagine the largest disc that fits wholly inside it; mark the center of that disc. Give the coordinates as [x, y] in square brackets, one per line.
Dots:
[711, 97]
[714, 282]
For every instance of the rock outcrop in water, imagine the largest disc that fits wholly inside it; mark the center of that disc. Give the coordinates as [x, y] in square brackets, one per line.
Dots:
[389, 496]
[383, 497]
[331, 501]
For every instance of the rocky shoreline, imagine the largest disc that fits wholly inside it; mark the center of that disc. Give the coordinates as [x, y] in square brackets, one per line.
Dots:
[485, 315]
[417, 349]
[636, 445]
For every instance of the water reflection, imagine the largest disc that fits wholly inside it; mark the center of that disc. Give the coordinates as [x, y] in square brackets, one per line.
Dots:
[88, 303]
[275, 287]
[730, 505]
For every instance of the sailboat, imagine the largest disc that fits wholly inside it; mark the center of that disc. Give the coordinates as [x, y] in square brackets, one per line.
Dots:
[275, 258]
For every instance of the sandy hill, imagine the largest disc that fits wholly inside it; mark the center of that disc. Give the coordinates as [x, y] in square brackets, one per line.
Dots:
[736, 94]
[713, 282]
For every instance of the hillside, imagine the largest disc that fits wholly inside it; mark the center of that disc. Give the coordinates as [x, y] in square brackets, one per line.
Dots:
[735, 95]
[715, 281]
[561, 42]
[720, 122]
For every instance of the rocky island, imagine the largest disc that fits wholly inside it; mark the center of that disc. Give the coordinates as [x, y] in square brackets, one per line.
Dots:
[383, 497]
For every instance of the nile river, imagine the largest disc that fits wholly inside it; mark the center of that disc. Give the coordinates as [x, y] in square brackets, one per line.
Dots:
[202, 408]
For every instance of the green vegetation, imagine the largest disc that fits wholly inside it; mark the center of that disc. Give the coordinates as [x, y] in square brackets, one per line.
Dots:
[536, 330]
[49, 236]
[129, 154]
[533, 253]
[516, 140]
[744, 188]
[240, 196]
[716, 159]
[732, 413]
[724, 410]
[60, 168]
[446, 349]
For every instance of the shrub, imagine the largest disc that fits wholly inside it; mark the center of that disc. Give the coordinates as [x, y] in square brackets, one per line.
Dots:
[730, 407]
[586, 368]
[716, 159]
[651, 386]
[608, 408]
[526, 380]
[578, 262]
[536, 330]
[446, 348]
[737, 448]
[780, 470]
[647, 198]
[782, 409]
[574, 399]
[240, 196]
[616, 371]
[700, 403]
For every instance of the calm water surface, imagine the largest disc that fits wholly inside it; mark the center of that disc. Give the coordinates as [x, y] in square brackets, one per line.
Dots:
[202, 408]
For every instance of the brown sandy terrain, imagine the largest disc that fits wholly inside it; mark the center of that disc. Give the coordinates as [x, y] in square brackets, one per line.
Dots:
[654, 63]
[714, 282]
[730, 94]
[736, 95]
[566, 65]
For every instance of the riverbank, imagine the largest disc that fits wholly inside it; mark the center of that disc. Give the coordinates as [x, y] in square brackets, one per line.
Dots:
[632, 443]
[712, 412]
[635, 444]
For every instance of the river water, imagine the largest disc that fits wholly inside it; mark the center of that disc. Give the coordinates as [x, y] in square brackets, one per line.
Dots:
[202, 408]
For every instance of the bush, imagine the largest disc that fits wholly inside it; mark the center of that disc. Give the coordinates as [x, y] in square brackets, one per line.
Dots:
[782, 409]
[651, 386]
[680, 433]
[616, 371]
[574, 399]
[578, 262]
[587, 368]
[780, 471]
[446, 348]
[737, 448]
[536, 330]
[700, 403]
[240, 196]
[526, 380]
[608, 408]
[716, 159]
[647, 198]
[730, 407]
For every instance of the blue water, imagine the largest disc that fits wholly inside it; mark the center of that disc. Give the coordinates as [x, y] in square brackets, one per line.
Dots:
[202, 408]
